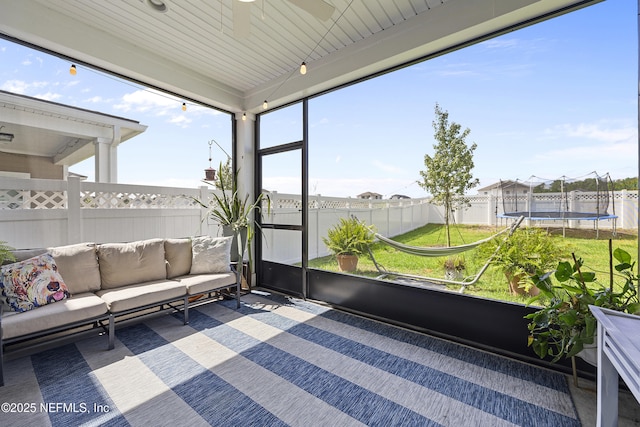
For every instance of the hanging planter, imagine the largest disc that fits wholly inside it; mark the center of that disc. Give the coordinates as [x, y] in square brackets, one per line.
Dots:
[209, 174]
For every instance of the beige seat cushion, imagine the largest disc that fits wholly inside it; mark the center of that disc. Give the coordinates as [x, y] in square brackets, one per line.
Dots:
[177, 252]
[201, 283]
[78, 266]
[123, 264]
[77, 308]
[134, 296]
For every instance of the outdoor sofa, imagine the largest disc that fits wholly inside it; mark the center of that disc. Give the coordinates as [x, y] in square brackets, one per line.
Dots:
[84, 286]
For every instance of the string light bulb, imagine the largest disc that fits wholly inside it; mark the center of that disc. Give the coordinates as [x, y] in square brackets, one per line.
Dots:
[265, 105]
[184, 106]
[73, 70]
[303, 68]
[244, 117]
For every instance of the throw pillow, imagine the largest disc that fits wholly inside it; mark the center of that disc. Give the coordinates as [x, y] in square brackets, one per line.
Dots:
[210, 254]
[32, 283]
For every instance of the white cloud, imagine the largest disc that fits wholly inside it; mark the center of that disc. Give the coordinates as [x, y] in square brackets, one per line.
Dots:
[49, 96]
[160, 104]
[387, 167]
[94, 99]
[181, 120]
[22, 87]
[603, 130]
[604, 146]
[501, 43]
[145, 100]
[323, 121]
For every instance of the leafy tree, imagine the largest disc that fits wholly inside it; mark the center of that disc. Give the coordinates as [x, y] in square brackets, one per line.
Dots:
[448, 175]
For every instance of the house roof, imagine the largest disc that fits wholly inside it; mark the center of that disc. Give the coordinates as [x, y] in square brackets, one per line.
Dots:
[64, 133]
[502, 184]
[192, 47]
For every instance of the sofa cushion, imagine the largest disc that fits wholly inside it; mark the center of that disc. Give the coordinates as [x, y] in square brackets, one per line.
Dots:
[177, 253]
[76, 308]
[123, 264]
[32, 283]
[22, 254]
[78, 265]
[202, 283]
[211, 255]
[141, 294]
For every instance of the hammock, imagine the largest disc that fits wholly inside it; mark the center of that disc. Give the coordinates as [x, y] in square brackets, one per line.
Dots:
[440, 252]
[436, 251]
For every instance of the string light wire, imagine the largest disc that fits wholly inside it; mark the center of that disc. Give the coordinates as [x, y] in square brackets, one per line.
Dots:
[265, 104]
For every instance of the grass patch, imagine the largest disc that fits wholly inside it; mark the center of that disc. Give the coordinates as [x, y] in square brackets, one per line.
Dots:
[492, 284]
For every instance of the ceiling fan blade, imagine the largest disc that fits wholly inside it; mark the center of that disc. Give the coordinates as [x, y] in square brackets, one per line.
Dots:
[241, 19]
[318, 8]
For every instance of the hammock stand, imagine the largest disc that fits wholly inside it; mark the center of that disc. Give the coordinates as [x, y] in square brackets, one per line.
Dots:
[440, 252]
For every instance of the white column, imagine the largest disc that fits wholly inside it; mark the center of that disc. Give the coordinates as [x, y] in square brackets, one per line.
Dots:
[106, 157]
[245, 153]
[102, 160]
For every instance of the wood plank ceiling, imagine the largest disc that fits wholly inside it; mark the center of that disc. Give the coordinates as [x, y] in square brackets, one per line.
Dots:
[191, 48]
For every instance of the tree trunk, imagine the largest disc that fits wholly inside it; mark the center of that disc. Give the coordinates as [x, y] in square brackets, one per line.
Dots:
[447, 214]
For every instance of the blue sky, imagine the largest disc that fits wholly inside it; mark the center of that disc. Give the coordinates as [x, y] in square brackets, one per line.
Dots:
[554, 99]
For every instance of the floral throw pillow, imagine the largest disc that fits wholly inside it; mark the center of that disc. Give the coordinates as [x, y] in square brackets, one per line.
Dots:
[32, 283]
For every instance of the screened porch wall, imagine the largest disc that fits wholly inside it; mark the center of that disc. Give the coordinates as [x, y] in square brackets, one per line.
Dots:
[42, 212]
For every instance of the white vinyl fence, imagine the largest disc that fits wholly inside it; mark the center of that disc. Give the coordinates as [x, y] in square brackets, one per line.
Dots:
[42, 213]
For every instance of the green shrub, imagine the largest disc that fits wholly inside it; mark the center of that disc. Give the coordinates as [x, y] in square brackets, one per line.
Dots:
[349, 237]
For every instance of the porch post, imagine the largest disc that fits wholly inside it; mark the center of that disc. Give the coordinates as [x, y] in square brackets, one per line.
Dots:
[245, 153]
[244, 161]
[106, 157]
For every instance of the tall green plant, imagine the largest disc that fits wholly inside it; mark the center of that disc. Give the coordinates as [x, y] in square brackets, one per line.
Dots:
[230, 209]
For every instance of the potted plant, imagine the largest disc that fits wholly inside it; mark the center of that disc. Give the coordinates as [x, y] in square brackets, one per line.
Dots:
[565, 325]
[526, 252]
[232, 211]
[454, 267]
[347, 240]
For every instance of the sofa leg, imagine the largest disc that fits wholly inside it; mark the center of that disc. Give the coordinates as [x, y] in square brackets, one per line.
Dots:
[112, 332]
[238, 286]
[185, 312]
[1, 350]
[1, 364]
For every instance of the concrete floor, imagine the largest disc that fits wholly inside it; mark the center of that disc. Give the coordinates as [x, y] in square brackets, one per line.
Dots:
[585, 399]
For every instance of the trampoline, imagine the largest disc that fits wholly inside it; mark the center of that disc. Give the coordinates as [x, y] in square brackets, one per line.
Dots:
[588, 198]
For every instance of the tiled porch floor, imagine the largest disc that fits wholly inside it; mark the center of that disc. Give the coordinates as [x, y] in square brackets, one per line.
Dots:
[585, 400]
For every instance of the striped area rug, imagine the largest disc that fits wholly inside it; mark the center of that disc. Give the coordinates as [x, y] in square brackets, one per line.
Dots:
[275, 362]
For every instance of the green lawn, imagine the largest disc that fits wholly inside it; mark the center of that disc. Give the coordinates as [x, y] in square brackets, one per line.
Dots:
[493, 284]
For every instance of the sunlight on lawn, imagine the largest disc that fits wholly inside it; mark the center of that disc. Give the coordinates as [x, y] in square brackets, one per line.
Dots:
[492, 284]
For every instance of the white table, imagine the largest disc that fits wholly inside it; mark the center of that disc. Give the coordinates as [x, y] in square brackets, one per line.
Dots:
[618, 353]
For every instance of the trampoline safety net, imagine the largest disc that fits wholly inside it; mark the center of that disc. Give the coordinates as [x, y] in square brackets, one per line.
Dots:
[587, 198]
